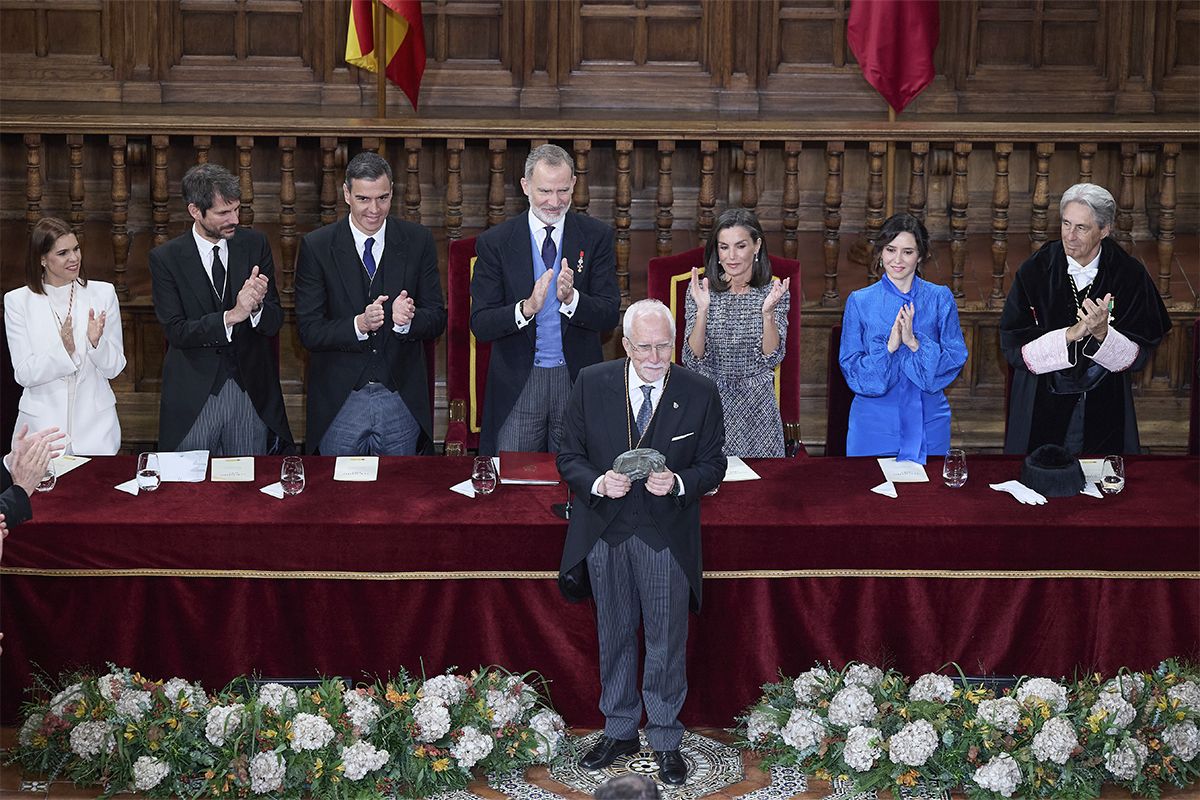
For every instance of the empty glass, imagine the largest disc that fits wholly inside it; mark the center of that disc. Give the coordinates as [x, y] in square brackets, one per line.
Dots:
[49, 479]
[148, 477]
[291, 475]
[483, 475]
[1112, 475]
[954, 469]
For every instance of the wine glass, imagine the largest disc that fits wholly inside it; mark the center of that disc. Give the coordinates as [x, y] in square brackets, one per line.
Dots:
[483, 475]
[1112, 475]
[954, 469]
[148, 476]
[291, 475]
[49, 479]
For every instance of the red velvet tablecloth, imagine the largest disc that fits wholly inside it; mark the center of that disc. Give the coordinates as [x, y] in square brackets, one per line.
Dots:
[212, 580]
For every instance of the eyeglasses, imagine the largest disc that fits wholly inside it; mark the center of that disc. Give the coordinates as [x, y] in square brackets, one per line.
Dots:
[664, 349]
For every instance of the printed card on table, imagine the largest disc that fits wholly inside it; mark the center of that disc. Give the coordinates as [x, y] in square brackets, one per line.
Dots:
[903, 471]
[356, 468]
[65, 463]
[233, 469]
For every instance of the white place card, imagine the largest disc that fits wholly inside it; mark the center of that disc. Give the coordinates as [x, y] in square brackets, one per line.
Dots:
[737, 470]
[232, 469]
[903, 471]
[65, 463]
[356, 468]
[189, 466]
[1093, 469]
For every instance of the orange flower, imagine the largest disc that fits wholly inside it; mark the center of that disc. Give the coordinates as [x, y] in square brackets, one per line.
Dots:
[908, 778]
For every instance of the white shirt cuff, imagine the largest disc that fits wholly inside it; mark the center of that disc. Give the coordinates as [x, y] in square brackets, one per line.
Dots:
[362, 337]
[596, 486]
[402, 329]
[1117, 352]
[1047, 353]
[521, 321]
[568, 309]
[255, 317]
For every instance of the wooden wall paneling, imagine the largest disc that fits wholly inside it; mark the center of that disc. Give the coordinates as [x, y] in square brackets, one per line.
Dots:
[1177, 54]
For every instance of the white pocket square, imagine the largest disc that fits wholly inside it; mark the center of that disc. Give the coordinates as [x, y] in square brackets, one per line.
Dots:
[682, 436]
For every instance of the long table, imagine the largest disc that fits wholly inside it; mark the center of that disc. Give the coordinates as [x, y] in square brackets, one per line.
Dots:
[211, 580]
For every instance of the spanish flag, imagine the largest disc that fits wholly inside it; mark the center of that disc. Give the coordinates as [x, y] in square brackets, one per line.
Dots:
[405, 57]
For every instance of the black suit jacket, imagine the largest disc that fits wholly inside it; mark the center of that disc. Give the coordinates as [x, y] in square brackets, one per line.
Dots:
[192, 319]
[688, 428]
[503, 276]
[330, 294]
[14, 503]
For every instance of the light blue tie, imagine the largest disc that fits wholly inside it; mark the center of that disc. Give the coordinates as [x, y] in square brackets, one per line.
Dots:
[646, 411]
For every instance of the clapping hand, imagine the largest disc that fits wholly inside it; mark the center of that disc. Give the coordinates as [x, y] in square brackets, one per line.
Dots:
[403, 309]
[372, 317]
[698, 289]
[250, 297]
[1094, 316]
[905, 318]
[895, 335]
[533, 304]
[31, 456]
[774, 295]
[566, 283]
[95, 326]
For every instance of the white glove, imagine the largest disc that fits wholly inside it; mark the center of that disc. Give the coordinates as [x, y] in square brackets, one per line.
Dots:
[1020, 491]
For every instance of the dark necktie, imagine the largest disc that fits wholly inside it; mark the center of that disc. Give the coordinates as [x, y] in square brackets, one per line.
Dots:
[548, 251]
[646, 411]
[218, 274]
[369, 257]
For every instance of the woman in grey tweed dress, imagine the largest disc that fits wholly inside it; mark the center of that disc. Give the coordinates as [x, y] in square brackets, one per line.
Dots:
[737, 331]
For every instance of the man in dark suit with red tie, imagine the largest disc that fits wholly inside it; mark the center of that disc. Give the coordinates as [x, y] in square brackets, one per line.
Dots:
[641, 538]
[214, 295]
[543, 292]
[368, 296]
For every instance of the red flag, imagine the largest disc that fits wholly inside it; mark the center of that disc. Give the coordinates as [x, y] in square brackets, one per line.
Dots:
[894, 41]
[404, 62]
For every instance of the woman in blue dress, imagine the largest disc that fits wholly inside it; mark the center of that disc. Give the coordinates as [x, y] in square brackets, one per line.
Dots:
[901, 347]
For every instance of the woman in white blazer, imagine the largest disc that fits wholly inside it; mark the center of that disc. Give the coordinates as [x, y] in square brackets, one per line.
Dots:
[64, 333]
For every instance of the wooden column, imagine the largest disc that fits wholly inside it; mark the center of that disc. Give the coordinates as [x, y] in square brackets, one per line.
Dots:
[497, 150]
[863, 248]
[958, 218]
[1166, 221]
[750, 174]
[1000, 201]
[833, 219]
[582, 196]
[1087, 152]
[708, 189]
[1124, 232]
[664, 218]
[120, 213]
[621, 215]
[33, 178]
[75, 158]
[329, 194]
[918, 184]
[791, 197]
[1041, 195]
[245, 148]
[160, 187]
[412, 179]
[287, 214]
[202, 145]
[454, 196]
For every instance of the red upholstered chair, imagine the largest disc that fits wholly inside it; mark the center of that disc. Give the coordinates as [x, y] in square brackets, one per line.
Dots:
[466, 359]
[838, 398]
[667, 280]
[1194, 427]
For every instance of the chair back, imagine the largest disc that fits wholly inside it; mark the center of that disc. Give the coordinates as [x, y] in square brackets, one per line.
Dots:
[1194, 426]
[466, 359]
[667, 280]
[838, 398]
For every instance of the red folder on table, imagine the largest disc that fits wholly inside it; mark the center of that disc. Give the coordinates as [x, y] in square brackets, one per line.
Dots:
[528, 468]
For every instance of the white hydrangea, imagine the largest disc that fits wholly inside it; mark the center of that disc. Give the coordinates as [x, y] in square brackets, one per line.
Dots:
[1055, 741]
[863, 675]
[432, 717]
[505, 707]
[1054, 694]
[804, 729]
[112, 685]
[1001, 774]
[1114, 710]
[149, 772]
[277, 697]
[862, 748]
[362, 710]
[60, 701]
[1129, 686]
[177, 690]
[92, 738]
[760, 725]
[472, 747]
[448, 687]
[362, 757]
[1126, 760]
[550, 729]
[525, 694]
[852, 705]
[223, 721]
[31, 725]
[1183, 739]
[809, 685]
[133, 704]
[267, 770]
[310, 732]
[913, 744]
[1187, 693]
[1003, 713]
[937, 688]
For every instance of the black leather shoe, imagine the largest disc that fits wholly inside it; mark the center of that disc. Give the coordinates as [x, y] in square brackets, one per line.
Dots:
[608, 750]
[671, 767]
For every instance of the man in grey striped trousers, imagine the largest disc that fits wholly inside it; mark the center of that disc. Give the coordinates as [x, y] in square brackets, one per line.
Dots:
[640, 539]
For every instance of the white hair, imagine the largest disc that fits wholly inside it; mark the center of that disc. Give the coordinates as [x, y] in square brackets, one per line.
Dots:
[1097, 198]
[644, 308]
[549, 154]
